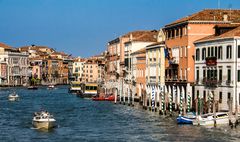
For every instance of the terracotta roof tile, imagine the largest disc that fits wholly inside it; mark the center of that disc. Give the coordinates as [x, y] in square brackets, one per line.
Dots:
[4, 46]
[211, 15]
[143, 35]
[229, 34]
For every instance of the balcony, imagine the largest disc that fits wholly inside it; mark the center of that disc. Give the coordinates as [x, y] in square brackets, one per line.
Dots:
[228, 82]
[210, 82]
[211, 61]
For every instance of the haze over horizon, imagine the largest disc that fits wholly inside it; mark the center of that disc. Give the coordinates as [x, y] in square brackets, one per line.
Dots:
[83, 27]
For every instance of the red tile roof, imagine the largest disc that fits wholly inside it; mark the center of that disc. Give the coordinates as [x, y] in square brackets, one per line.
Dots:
[143, 50]
[4, 46]
[230, 34]
[150, 36]
[216, 15]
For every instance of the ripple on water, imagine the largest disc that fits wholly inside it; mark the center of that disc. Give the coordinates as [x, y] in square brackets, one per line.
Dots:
[84, 120]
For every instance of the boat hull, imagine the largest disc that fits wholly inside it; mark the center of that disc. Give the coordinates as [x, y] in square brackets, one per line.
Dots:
[43, 124]
[184, 120]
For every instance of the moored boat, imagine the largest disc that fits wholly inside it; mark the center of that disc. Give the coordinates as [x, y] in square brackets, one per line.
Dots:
[51, 86]
[188, 119]
[222, 118]
[32, 88]
[13, 96]
[102, 98]
[43, 120]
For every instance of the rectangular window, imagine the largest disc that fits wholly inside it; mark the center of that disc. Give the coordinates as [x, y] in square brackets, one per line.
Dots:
[229, 96]
[229, 74]
[212, 51]
[197, 54]
[197, 74]
[220, 97]
[238, 75]
[229, 52]
[180, 51]
[203, 53]
[185, 51]
[204, 95]
[220, 75]
[208, 51]
[197, 93]
[216, 51]
[238, 51]
[204, 73]
[239, 99]
[220, 52]
[208, 74]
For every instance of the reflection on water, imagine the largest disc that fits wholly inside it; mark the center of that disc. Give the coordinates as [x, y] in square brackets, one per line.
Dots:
[85, 120]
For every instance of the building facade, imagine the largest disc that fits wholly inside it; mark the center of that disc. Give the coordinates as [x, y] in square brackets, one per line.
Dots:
[180, 36]
[217, 69]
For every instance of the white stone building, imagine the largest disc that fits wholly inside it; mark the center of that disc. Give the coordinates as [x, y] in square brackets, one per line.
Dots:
[217, 67]
[16, 66]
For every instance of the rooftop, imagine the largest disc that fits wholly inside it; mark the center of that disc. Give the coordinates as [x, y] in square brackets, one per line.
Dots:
[230, 34]
[211, 15]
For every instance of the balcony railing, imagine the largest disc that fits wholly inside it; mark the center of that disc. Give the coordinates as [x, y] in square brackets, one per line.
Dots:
[228, 82]
[210, 82]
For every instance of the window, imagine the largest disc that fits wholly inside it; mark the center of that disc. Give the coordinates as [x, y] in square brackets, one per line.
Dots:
[229, 74]
[208, 51]
[212, 51]
[229, 52]
[154, 59]
[220, 52]
[220, 75]
[229, 96]
[238, 75]
[180, 51]
[197, 54]
[239, 99]
[204, 95]
[204, 73]
[177, 32]
[185, 74]
[215, 51]
[197, 93]
[238, 51]
[203, 53]
[197, 75]
[185, 51]
[220, 97]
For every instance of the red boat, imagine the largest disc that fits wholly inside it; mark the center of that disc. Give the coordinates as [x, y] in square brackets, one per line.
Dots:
[101, 98]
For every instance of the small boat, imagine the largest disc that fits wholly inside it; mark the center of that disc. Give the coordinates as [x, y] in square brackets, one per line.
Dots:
[51, 86]
[101, 98]
[110, 98]
[222, 118]
[43, 120]
[13, 97]
[32, 88]
[188, 119]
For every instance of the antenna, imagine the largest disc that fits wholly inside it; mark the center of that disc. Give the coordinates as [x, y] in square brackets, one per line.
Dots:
[230, 8]
[219, 3]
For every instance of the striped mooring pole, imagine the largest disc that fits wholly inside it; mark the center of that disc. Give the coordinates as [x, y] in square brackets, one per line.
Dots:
[153, 98]
[188, 103]
[181, 104]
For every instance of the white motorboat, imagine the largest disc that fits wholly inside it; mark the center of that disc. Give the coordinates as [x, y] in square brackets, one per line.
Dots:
[13, 97]
[51, 86]
[43, 120]
[222, 118]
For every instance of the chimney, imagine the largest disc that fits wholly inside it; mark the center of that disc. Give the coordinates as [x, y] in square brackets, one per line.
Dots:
[131, 37]
[225, 17]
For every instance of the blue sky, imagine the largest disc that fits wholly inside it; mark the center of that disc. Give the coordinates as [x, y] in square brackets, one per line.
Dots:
[83, 27]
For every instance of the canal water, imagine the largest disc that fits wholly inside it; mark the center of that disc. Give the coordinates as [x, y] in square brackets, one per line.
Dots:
[85, 120]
